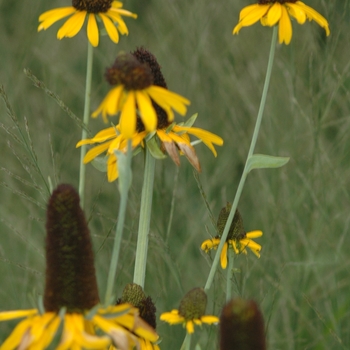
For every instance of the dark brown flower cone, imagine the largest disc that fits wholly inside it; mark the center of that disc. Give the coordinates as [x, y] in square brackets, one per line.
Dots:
[236, 229]
[242, 326]
[70, 271]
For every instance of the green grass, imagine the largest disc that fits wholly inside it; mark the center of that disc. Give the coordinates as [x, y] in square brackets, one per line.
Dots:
[301, 280]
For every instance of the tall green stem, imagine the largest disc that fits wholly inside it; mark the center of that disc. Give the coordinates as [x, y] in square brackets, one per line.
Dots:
[186, 345]
[123, 189]
[145, 218]
[86, 122]
[250, 153]
[231, 257]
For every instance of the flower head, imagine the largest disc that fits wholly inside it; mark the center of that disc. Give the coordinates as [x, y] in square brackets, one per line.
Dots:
[71, 315]
[133, 294]
[242, 326]
[191, 311]
[136, 91]
[170, 137]
[237, 238]
[108, 11]
[271, 12]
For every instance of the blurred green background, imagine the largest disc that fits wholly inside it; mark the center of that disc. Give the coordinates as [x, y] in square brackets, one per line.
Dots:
[302, 280]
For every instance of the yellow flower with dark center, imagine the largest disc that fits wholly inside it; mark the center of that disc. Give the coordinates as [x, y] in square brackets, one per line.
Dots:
[173, 138]
[135, 94]
[237, 238]
[72, 317]
[108, 11]
[238, 245]
[191, 311]
[272, 12]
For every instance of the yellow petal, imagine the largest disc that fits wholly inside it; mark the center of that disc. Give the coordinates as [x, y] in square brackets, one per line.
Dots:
[128, 116]
[274, 14]
[223, 256]
[254, 234]
[112, 168]
[115, 17]
[297, 12]
[95, 151]
[17, 334]
[92, 30]
[209, 319]
[72, 26]
[10, 315]
[172, 317]
[148, 114]
[251, 17]
[312, 14]
[285, 27]
[190, 327]
[110, 28]
[48, 18]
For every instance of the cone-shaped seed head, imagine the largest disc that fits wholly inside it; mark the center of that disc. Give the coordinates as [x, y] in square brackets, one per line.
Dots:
[193, 304]
[134, 295]
[236, 230]
[70, 271]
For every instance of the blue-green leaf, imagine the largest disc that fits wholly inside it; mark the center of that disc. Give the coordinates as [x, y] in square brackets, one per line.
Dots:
[262, 161]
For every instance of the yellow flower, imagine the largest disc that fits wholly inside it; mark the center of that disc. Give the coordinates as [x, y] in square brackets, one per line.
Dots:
[191, 311]
[138, 92]
[128, 101]
[108, 11]
[113, 324]
[176, 136]
[239, 245]
[271, 12]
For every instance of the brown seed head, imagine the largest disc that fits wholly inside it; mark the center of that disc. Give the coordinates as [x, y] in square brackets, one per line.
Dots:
[70, 271]
[92, 6]
[242, 326]
[193, 304]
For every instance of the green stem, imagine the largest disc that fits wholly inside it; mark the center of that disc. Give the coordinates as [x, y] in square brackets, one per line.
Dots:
[86, 122]
[144, 221]
[250, 153]
[231, 258]
[120, 226]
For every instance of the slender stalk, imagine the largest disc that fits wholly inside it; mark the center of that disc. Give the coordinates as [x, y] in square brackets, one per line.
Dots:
[119, 229]
[250, 153]
[186, 345]
[86, 122]
[145, 218]
[231, 258]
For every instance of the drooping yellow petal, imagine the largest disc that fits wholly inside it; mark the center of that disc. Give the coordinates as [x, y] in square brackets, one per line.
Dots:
[285, 27]
[50, 17]
[312, 14]
[147, 111]
[297, 12]
[123, 12]
[72, 26]
[190, 327]
[244, 12]
[17, 334]
[110, 28]
[223, 256]
[112, 168]
[128, 116]
[251, 17]
[274, 14]
[121, 26]
[95, 151]
[92, 30]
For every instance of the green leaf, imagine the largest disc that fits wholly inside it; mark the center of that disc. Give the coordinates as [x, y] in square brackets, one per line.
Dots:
[262, 161]
[189, 122]
[100, 163]
[154, 149]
